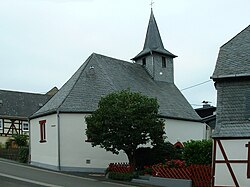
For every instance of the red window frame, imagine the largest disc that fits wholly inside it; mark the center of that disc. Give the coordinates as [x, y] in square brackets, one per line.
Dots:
[42, 131]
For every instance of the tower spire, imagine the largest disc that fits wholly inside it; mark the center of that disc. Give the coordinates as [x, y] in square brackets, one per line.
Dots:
[156, 60]
[153, 42]
[153, 37]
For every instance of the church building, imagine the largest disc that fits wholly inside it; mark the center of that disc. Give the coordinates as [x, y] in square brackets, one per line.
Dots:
[58, 139]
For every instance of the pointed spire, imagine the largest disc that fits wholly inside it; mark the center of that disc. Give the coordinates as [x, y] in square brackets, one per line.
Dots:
[153, 37]
[153, 42]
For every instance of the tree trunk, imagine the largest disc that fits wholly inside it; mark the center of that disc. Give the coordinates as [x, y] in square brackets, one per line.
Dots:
[131, 159]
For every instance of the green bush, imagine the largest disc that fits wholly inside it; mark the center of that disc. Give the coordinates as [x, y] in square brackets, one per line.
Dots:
[197, 152]
[23, 154]
[164, 151]
[21, 140]
[1, 145]
[120, 176]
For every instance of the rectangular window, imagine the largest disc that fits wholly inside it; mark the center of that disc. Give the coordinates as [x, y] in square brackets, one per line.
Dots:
[1, 124]
[25, 126]
[164, 63]
[42, 131]
[144, 61]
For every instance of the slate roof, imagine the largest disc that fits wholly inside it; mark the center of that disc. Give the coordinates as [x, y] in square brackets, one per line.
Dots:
[234, 102]
[153, 42]
[207, 113]
[20, 105]
[101, 75]
[232, 130]
[210, 121]
[234, 57]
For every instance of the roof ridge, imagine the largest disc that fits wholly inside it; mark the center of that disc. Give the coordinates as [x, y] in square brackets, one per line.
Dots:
[235, 36]
[22, 92]
[80, 74]
[105, 56]
[105, 72]
[233, 57]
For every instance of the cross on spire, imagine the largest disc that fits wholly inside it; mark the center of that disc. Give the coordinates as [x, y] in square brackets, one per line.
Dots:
[151, 4]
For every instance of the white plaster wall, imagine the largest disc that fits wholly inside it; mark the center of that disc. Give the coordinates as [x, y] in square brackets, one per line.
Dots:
[235, 150]
[45, 153]
[180, 130]
[75, 151]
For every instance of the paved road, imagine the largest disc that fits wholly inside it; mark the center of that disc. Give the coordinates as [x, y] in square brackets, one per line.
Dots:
[17, 175]
[10, 182]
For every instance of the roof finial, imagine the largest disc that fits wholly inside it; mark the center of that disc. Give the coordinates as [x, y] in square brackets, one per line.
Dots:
[151, 4]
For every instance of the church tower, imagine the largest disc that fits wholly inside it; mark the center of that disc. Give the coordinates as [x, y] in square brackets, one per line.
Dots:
[154, 57]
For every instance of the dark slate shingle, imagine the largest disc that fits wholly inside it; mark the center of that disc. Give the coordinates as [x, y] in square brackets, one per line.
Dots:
[101, 75]
[20, 104]
[234, 57]
[233, 104]
[153, 42]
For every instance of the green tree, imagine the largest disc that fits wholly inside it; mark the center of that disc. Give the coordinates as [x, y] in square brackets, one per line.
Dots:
[198, 152]
[123, 121]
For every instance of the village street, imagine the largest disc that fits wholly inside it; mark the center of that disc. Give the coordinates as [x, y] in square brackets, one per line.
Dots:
[13, 174]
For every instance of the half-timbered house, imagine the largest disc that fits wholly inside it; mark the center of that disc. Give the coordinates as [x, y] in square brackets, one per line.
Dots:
[231, 152]
[58, 139]
[15, 109]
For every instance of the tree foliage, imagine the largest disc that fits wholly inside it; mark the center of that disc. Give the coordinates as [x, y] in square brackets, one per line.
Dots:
[123, 121]
[198, 152]
[21, 140]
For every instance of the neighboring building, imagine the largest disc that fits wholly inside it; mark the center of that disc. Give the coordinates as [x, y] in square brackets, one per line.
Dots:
[15, 109]
[58, 139]
[231, 159]
[208, 116]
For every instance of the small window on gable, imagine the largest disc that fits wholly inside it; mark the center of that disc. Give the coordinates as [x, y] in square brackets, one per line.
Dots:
[25, 126]
[144, 61]
[1, 124]
[164, 63]
[42, 131]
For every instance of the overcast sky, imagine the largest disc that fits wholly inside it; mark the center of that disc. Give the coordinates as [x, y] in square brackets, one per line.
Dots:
[43, 42]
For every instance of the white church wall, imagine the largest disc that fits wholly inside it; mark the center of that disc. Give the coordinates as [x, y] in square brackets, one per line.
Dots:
[78, 155]
[180, 130]
[237, 151]
[44, 154]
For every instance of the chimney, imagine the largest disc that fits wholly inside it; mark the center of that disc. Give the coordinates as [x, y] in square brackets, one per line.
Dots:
[205, 104]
